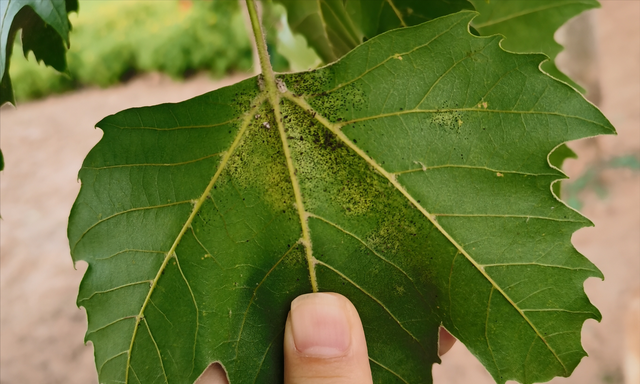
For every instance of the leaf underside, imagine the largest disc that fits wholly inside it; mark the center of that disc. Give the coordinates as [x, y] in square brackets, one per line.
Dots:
[420, 159]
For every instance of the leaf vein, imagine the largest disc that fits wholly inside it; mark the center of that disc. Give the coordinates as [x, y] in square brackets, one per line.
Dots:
[388, 370]
[164, 372]
[504, 216]
[372, 251]
[255, 291]
[410, 111]
[143, 127]
[114, 289]
[154, 165]
[424, 169]
[342, 85]
[108, 325]
[195, 304]
[372, 297]
[122, 213]
[109, 359]
[537, 264]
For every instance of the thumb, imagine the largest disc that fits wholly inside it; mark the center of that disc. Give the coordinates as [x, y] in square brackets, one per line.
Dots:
[324, 342]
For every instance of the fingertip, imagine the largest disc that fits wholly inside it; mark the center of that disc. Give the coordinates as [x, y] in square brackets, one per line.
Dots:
[324, 340]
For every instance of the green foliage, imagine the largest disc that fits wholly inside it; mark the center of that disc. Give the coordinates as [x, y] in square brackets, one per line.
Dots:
[113, 40]
[33, 80]
[411, 176]
[294, 48]
[45, 32]
[159, 36]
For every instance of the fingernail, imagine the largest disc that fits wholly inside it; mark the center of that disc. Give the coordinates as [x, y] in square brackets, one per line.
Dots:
[320, 325]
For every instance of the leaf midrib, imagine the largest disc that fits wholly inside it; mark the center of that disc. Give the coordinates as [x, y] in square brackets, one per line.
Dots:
[274, 100]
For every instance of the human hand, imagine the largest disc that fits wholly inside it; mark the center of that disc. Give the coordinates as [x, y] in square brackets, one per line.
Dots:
[324, 343]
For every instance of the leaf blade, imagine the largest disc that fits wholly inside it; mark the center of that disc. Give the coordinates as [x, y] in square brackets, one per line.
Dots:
[384, 198]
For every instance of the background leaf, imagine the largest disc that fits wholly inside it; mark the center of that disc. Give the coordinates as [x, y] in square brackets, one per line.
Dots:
[45, 31]
[418, 167]
[334, 27]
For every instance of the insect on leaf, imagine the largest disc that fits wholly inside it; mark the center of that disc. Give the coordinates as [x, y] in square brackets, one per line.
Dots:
[410, 176]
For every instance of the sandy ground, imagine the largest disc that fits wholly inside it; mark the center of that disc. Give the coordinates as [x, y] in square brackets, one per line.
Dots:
[44, 143]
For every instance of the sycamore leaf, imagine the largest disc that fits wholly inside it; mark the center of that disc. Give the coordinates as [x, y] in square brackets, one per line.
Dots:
[529, 26]
[410, 176]
[335, 27]
[45, 31]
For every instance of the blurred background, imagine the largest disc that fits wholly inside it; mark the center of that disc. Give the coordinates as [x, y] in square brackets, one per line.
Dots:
[118, 60]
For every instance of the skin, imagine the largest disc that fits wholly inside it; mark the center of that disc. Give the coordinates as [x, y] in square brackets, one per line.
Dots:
[324, 343]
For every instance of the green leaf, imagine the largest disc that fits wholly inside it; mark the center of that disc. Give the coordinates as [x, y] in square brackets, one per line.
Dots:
[45, 31]
[335, 27]
[410, 176]
[557, 158]
[529, 26]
